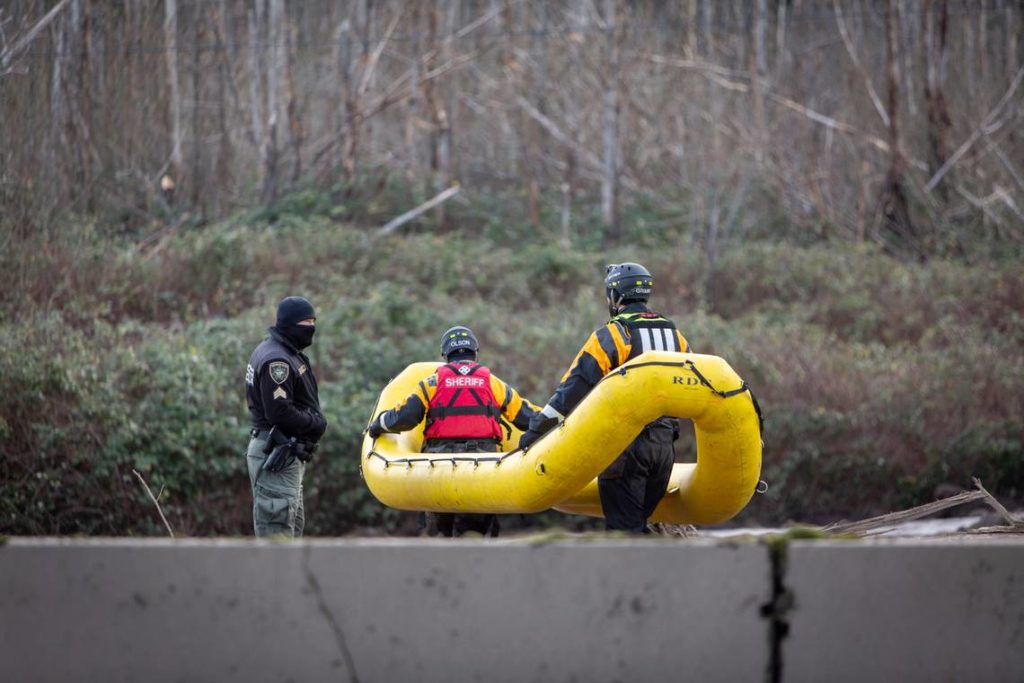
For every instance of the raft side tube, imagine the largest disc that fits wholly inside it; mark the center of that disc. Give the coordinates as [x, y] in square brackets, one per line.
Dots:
[559, 470]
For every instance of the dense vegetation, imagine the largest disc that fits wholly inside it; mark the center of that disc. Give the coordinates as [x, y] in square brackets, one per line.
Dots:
[828, 194]
[880, 380]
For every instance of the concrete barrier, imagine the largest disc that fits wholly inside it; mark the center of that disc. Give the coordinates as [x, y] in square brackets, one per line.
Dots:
[590, 610]
[387, 610]
[924, 610]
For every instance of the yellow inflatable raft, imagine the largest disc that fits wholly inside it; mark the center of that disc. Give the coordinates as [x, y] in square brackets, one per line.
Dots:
[559, 470]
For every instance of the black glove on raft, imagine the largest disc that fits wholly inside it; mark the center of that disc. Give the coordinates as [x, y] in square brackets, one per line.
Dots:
[539, 426]
[375, 430]
[527, 439]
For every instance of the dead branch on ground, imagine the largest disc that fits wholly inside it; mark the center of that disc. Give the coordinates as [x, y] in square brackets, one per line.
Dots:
[153, 498]
[398, 222]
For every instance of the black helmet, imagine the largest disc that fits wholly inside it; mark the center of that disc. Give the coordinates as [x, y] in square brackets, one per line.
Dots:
[627, 282]
[456, 339]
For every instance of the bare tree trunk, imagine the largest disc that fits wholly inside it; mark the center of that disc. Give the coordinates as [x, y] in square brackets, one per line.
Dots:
[364, 9]
[224, 167]
[505, 56]
[983, 44]
[344, 79]
[444, 109]
[713, 93]
[296, 133]
[353, 104]
[430, 93]
[969, 60]
[578, 27]
[759, 72]
[413, 102]
[691, 29]
[907, 36]
[610, 125]
[535, 84]
[91, 161]
[1012, 34]
[196, 178]
[256, 99]
[443, 114]
[68, 100]
[780, 37]
[710, 216]
[174, 101]
[893, 200]
[939, 120]
[369, 131]
[275, 72]
[58, 98]
[760, 37]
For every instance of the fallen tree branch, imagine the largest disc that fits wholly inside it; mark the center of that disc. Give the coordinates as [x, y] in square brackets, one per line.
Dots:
[398, 222]
[153, 498]
[892, 518]
[998, 507]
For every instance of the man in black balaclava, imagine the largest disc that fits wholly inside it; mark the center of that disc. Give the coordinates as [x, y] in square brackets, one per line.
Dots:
[282, 395]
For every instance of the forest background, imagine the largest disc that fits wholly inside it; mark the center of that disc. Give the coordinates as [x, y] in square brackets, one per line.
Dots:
[830, 195]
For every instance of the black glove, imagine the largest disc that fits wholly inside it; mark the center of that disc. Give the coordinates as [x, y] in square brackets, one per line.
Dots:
[539, 426]
[527, 439]
[304, 450]
[375, 430]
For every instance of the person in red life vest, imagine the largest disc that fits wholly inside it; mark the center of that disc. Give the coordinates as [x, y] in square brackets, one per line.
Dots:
[633, 485]
[464, 406]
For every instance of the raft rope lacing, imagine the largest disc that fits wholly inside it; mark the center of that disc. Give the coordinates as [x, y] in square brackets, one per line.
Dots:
[620, 372]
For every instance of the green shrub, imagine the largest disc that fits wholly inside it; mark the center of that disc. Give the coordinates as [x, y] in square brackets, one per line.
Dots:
[879, 380]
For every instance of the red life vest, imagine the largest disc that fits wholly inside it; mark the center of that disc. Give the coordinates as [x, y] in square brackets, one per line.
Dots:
[463, 406]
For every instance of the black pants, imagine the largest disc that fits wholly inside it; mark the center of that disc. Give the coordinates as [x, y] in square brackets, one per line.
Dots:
[635, 483]
[452, 524]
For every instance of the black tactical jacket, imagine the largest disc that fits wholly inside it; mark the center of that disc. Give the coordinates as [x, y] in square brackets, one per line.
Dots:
[281, 390]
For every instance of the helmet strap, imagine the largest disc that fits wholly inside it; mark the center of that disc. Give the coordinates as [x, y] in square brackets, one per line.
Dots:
[614, 305]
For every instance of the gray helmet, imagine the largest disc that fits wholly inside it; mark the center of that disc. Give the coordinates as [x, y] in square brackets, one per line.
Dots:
[627, 282]
[456, 339]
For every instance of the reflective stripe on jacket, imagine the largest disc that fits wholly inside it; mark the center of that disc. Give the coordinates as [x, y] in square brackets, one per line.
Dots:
[649, 331]
[623, 338]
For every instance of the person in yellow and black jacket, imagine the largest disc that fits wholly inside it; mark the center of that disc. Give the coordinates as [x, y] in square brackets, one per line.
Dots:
[633, 485]
[463, 405]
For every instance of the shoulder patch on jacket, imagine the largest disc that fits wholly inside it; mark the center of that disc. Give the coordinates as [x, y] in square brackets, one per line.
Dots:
[279, 371]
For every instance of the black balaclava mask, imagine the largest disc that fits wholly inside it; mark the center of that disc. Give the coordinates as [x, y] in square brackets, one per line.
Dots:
[290, 312]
